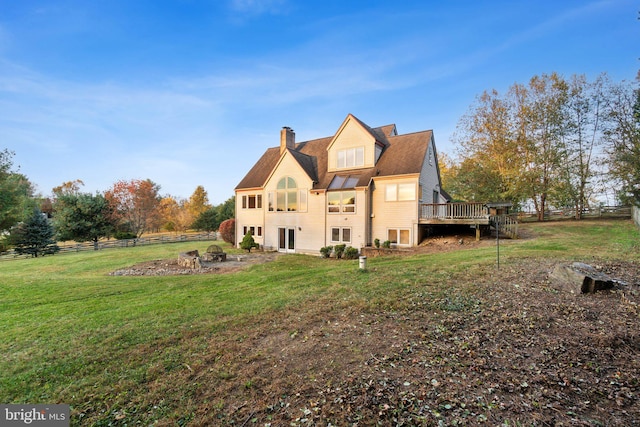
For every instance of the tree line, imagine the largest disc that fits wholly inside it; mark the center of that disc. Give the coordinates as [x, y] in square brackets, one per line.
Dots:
[32, 224]
[552, 142]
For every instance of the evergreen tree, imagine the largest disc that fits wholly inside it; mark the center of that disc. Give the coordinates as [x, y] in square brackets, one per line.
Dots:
[207, 221]
[35, 236]
[248, 242]
[83, 218]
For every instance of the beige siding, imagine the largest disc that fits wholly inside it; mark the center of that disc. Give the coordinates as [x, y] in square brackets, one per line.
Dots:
[308, 225]
[356, 222]
[393, 214]
[352, 135]
[249, 217]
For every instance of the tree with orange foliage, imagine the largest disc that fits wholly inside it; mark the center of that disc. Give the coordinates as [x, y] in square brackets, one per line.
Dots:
[68, 188]
[174, 215]
[136, 204]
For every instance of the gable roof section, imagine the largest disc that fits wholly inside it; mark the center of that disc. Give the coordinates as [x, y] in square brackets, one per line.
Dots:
[308, 164]
[378, 134]
[258, 174]
[403, 154]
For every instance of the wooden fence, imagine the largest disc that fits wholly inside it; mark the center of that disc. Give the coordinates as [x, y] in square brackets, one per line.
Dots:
[124, 243]
[597, 212]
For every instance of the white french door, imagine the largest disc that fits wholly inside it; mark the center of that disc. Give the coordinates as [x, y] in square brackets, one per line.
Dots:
[286, 239]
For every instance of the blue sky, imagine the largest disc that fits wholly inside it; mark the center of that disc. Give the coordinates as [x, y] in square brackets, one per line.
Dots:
[191, 92]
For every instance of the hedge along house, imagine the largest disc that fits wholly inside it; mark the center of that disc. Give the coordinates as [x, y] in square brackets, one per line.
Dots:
[356, 186]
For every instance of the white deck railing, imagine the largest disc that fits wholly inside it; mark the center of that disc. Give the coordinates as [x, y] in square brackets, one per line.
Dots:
[453, 211]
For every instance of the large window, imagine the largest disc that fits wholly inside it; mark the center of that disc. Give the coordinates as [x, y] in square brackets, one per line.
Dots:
[287, 197]
[341, 201]
[400, 192]
[351, 157]
[252, 201]
[341, 235]
[399, 236]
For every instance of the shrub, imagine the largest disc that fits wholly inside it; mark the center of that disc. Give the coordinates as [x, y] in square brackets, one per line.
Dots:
[228, 231]
[326, 251]
[339, 250]
[376, 243]
[248, 242]
[124, 235]
[351, 253]
[386, 244]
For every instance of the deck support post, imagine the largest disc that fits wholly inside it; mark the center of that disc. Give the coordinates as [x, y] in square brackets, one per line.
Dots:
[477, 232]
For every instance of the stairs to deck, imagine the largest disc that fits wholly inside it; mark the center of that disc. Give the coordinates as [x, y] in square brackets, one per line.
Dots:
[505, 225]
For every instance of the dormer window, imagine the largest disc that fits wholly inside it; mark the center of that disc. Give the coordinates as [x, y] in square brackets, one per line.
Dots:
[351, 157]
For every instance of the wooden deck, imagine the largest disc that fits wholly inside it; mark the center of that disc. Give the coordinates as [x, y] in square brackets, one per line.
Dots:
[473, 214]
[454, 213]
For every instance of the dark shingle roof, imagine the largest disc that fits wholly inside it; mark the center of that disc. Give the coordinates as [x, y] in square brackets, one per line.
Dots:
[403, 154]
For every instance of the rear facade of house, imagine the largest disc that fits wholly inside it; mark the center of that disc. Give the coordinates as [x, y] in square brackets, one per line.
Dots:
[353, 187]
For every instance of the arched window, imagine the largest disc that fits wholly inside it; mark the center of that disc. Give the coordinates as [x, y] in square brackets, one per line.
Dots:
[287, 195]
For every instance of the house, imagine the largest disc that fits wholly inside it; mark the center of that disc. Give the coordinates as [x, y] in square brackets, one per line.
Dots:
[352, 187]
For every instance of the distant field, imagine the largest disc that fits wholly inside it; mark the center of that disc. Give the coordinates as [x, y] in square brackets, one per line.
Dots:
[128, 350]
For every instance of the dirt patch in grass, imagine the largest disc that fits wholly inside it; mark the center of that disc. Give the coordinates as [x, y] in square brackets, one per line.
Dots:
[170, 267]
[235, 262]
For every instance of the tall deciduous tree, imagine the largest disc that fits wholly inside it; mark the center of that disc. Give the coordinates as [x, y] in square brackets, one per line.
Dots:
[623, 137]
[539, 133]
[198, 202]
[83, 218]
[16, 194]
[136, 204]
[68, 187]
[35, 236]
[174, 214]
[582, 141]
[535, 144]
[489, 150]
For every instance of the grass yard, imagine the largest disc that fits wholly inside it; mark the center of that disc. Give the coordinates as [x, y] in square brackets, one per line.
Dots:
[438, 337]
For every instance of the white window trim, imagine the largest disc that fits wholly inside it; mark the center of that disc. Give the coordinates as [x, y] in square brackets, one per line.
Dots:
[341, 235]
[341, 206]
[398, 230]
[356, 154]
[397, 192]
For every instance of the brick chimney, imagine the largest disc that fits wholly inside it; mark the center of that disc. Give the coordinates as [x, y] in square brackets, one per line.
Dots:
[287, 139]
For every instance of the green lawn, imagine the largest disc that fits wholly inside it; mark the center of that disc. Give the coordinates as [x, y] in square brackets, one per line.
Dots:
[70, 333]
